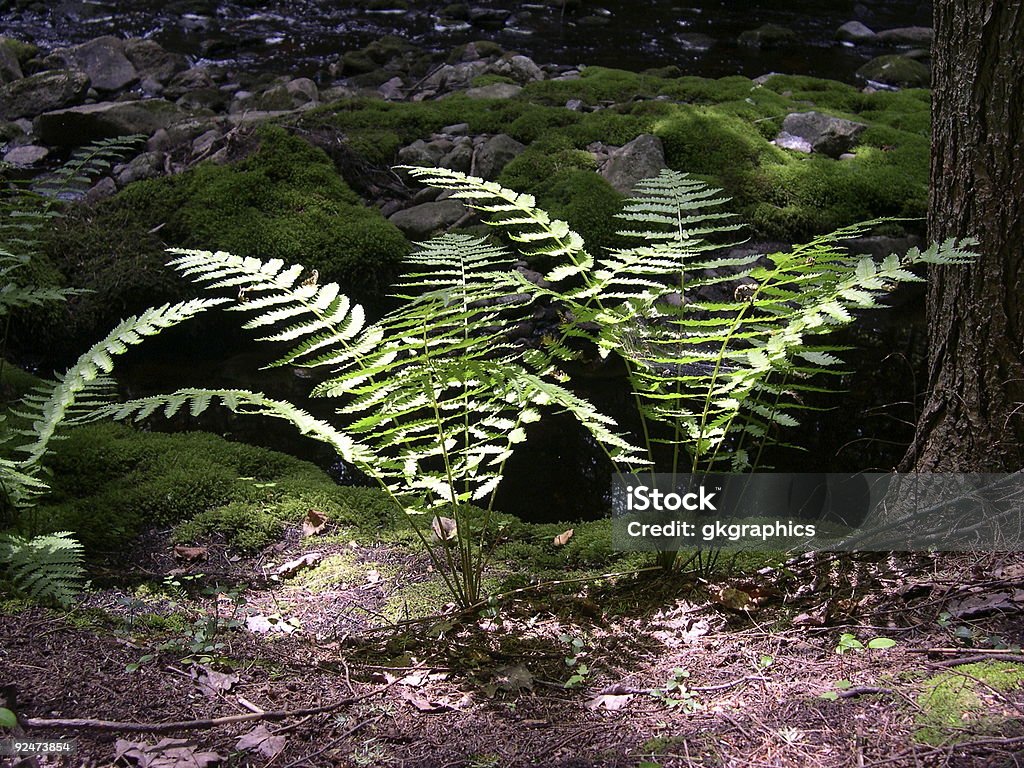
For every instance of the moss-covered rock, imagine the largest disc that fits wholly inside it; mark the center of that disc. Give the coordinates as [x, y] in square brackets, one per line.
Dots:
[900, 71]
[961, 703]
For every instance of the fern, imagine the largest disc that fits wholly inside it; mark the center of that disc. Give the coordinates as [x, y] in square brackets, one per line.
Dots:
[47, 567]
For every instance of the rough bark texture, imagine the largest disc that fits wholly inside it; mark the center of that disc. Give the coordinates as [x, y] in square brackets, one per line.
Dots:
[973, 417]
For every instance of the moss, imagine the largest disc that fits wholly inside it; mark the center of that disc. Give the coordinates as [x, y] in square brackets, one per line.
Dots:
[480, 81]
[334, 572]
[958, 704]
[111, 481]
[705, 141]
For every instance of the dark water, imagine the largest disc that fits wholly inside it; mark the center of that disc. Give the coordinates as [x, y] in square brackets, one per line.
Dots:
[303, 37]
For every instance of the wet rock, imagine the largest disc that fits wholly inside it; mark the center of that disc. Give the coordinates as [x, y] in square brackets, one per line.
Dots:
[916, 37]
[897, 71]
[855, 32]
[494, 91]
[423, 153]
[422, 221]
[78, 125]
[641, 158]
[104, 61]
[522, 69]
[492, 156]
[826, 135]
[44, 92]
[152, 62]
[489, 18]
[148, 165]
[768, 36]
[10, 67]
[694, 42]
[26, 156]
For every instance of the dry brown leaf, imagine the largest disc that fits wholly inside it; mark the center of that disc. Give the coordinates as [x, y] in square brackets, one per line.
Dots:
[314, 523]
[563, 538]
[976, 605]
[293, 566]
[734, 599]
[167, 753]
[422, 704]
[514, 678]
[611, 702]
[190, 553]
[261, 740]
[444, 528]
[213, 683]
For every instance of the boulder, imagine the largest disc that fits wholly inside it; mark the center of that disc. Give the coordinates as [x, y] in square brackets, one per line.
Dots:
[494, 91]
[460, 157]
[152, 62]
[768, 36]
[494, 154]
[44, 92]
[79, 125]
[641, 158]
[452, 77]
[796, 143]
[26, 156]
[393, 89]
[189, 80]
[422, 153]
[896, 71]
[914, 37]
[10, 67]
[522, 69]
[855, 32]
[827, 135]
[104, 61]
[148, 165]
[422, 221]
[303, 91]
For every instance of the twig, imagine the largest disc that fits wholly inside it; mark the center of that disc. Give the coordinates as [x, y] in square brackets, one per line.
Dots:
[949, 651]
[333, 744]
[861, 690]
[973, 658]
[185, 725]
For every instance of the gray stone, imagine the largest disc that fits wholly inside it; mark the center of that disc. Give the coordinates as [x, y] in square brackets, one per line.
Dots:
[152, 62]
[40, 93]
[204, 98]
[393, 89]
[795, 143]
[303, 91]
[897, 71]
[641, 158]
[768, 36]
[26, 156]
[148, 165]
[10, 67]
[915, 37]
[494, 91]
[494, 155]
[104, 61]
[102, 189]
[827, 135]
[422, 153]
[574, 105]
[855, 32]
[520, 68]
[422, 221]
[460, 158]
[189, 80]
[78, 125]
[458, 129]
[451, 77]
[202, 144]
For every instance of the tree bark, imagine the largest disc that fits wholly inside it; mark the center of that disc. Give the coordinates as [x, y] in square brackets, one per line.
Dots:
[973, 417]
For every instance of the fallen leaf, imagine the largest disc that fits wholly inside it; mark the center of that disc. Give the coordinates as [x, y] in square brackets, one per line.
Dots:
[816, 619]
[1012, 572]
[444, 528]
[261, 740]
[372, 576]
[563, 538]
[514, 678]
[262, 625]
[167, 753]
[314, 523]
[190, 553]
[610, 702]
[293, 566]
[422, 704]
[733, 599]
[976, 605]
[213, 683]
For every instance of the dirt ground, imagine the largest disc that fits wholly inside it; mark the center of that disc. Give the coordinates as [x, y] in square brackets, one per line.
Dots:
[634, 671]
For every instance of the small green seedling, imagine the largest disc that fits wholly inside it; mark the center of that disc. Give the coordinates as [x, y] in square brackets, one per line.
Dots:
[849, 642]
[677, 694]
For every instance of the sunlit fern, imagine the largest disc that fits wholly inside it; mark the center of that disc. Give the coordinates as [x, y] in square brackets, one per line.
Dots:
[45, 567]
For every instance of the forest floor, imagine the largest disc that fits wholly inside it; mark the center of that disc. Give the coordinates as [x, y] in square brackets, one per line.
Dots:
[308, 667]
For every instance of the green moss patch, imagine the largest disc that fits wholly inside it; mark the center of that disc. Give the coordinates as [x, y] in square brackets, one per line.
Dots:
[964, 702]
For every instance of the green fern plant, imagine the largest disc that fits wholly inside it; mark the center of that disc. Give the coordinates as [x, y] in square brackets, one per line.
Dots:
[46, 567]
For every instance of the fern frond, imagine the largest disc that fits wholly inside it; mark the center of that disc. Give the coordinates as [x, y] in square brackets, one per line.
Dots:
[47, 567]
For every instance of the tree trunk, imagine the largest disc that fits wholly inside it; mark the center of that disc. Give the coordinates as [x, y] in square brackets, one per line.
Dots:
[973, 418]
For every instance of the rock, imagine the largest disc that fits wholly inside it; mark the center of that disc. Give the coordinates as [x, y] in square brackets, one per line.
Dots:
[896, 71]
[694, 42]
[458, 129]
[189, 80]
[460, 158]
[204, 142]
[494, 155]
[44, 92]
[478, 49]
[827, 135]
[768, 36]
[102, 189]
[78, 125]
[522, 69]
[393, 89]
[574, 105]
[795, 143]
[152, 62]
[492, 18]
[452, 77]
[915, 37]
[26, 156]
[641, 158]
[494, 91]
[10, 67]
[148, 165]
[855, 32]
[205, 98]
[303, 91]
[104, 61]
[422, 153]
[422, 221]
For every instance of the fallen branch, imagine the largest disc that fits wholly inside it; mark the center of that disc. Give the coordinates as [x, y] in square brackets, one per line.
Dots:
[188, 725]
[951, 651]
[976, 657]
[861, 690]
